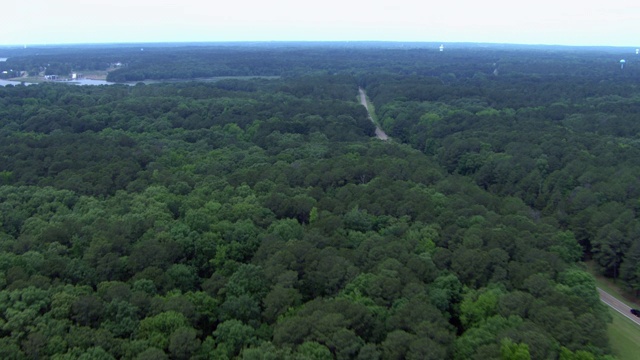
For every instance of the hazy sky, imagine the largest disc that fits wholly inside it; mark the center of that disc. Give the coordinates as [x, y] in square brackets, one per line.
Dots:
[567, 22]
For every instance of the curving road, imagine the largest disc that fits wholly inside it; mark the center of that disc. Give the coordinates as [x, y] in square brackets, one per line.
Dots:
[363, 100]
[618, 306]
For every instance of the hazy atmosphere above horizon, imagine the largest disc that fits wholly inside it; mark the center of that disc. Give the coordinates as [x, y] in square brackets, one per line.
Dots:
[590, 22]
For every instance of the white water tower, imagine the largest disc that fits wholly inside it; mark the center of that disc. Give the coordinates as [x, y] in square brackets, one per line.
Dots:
[622, 62]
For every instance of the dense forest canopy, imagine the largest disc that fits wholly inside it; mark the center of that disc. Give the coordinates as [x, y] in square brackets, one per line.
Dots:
[259, 218]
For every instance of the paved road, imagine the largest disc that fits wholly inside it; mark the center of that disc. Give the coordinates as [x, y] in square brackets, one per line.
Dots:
[618, 306]
[363, 100]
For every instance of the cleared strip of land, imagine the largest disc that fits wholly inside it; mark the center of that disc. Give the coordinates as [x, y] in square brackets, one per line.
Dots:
[363, 100]
[624, 336]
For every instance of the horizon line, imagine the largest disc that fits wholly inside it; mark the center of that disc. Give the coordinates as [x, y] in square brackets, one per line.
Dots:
[136, 43]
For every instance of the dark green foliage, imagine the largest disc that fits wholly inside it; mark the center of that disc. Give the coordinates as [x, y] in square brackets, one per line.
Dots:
[260, 219]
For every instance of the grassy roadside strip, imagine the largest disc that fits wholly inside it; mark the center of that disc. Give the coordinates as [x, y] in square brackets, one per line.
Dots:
[624, 335]
[612, 288]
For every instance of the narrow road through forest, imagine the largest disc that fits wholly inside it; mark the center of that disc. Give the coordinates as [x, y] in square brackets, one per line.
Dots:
[618, 306]
[363, 100]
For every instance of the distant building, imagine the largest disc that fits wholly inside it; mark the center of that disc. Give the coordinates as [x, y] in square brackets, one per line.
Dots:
[441, 47]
